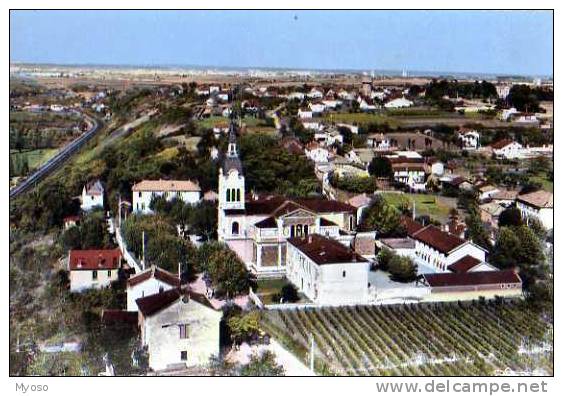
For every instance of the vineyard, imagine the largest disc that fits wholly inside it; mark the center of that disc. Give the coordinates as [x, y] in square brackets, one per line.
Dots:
[447, 339]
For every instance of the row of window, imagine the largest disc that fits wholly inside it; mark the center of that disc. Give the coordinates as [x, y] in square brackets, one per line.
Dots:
[95, 274]
[232, 195]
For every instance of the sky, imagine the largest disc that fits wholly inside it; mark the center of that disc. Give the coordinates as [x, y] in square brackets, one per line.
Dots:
[509, 42]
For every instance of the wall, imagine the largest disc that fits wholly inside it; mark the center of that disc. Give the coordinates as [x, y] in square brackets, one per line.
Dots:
[164, 343]
[82, 279]
[149, 287]
[142, 199]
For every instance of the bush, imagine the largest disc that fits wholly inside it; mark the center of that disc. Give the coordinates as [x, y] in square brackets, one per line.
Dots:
[402, 269]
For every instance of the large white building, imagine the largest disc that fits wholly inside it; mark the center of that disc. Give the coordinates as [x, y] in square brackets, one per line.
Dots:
[398, 103]
[92, 196]
[326, 271]
[538, 204]
[257, 229]
[179, 328]
[508, 149]
[151, 281]
[93, 269]
[144, 192]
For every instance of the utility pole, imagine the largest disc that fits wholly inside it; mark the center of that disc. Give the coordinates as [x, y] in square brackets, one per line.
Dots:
[143, 256]
[312, 354]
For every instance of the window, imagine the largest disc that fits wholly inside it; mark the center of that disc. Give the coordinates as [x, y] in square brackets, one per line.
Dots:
[238, 195]
[228, 195]
[184, 355]
[305, 230]
[344, 274]
[94, 275]
[109, 273]
[183, 331]
[235, 228]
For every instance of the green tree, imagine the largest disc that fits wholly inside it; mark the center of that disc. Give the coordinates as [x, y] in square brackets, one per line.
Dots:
[243, 327]
[263, 365]
[380, 167]
[510, 217]
[383, 218]
[228, 274]
[402, 269]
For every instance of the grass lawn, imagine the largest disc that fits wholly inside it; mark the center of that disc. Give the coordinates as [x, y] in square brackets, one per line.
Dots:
[426, 204]
[360, 118]
[34, 157]
[547, 184]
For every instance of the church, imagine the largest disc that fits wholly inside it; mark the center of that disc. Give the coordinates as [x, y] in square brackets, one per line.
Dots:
[257, 228]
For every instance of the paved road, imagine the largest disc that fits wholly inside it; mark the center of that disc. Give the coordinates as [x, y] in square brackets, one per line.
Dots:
[55, 163]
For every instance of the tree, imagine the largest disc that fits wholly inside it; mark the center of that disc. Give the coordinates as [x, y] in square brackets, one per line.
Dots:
[288, 294]
[402, 268]
[383, 218]
[243, 327]
[505, 250]
[383, 258]
[228, 274]
[476, 231]
[380, 167]
[263, 365]
[510, 217]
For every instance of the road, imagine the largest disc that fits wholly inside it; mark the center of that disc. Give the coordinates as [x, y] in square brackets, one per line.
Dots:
[55, 162]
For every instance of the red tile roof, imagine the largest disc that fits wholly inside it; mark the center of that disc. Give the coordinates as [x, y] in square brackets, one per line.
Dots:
[323, 250]
[538, 199]
[472, 278]
[411, 225]
[94, 259]
[156, 302]
[150, 305]
[279, 205]
[157, 273]
[443, 242]
[501, 144]
[268, 222]
[116, 316]
[464, 264]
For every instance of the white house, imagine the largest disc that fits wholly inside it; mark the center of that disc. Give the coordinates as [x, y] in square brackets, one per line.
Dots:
[317, 153]
[508, 149]
[315, 94]
[538, 204]
[353, 128]
[507, 114]
[179, 328]
[305, 113]
[143, 193]
[92, 196]
[398, 103]
[296, 95]
[312, 123]
[438, 249]
[469, 139]
[317, 108]
[326, 271]
[93, 269]
[151, 281]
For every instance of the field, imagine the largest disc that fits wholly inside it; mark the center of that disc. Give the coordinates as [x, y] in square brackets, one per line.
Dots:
[436, 207]
[544, 181]
[34, 157]
[478, 338]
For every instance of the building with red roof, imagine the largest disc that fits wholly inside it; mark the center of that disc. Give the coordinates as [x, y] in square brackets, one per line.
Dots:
[91, 269]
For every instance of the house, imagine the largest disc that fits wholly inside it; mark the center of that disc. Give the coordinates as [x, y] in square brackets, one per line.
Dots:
[438, 249]
[379, 142]
[366, 104]
[144, 192]
[469, 139]
[151, 281]
[486, 191]
[526, 118]
[312, 123]
[398, 103]
[92, 196]
[490, 212]
[93, 269]
[361, 156]
[326, 271]
[353, 128]
[329, 137]
[70, 221]
[507, 149]
[296, 95]
[317, 108]
[538, 204]
[304, 113]
[507, 114]
[317, 153]
[314, 93]
[401, 246]
[361, 202]
[179, 328]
